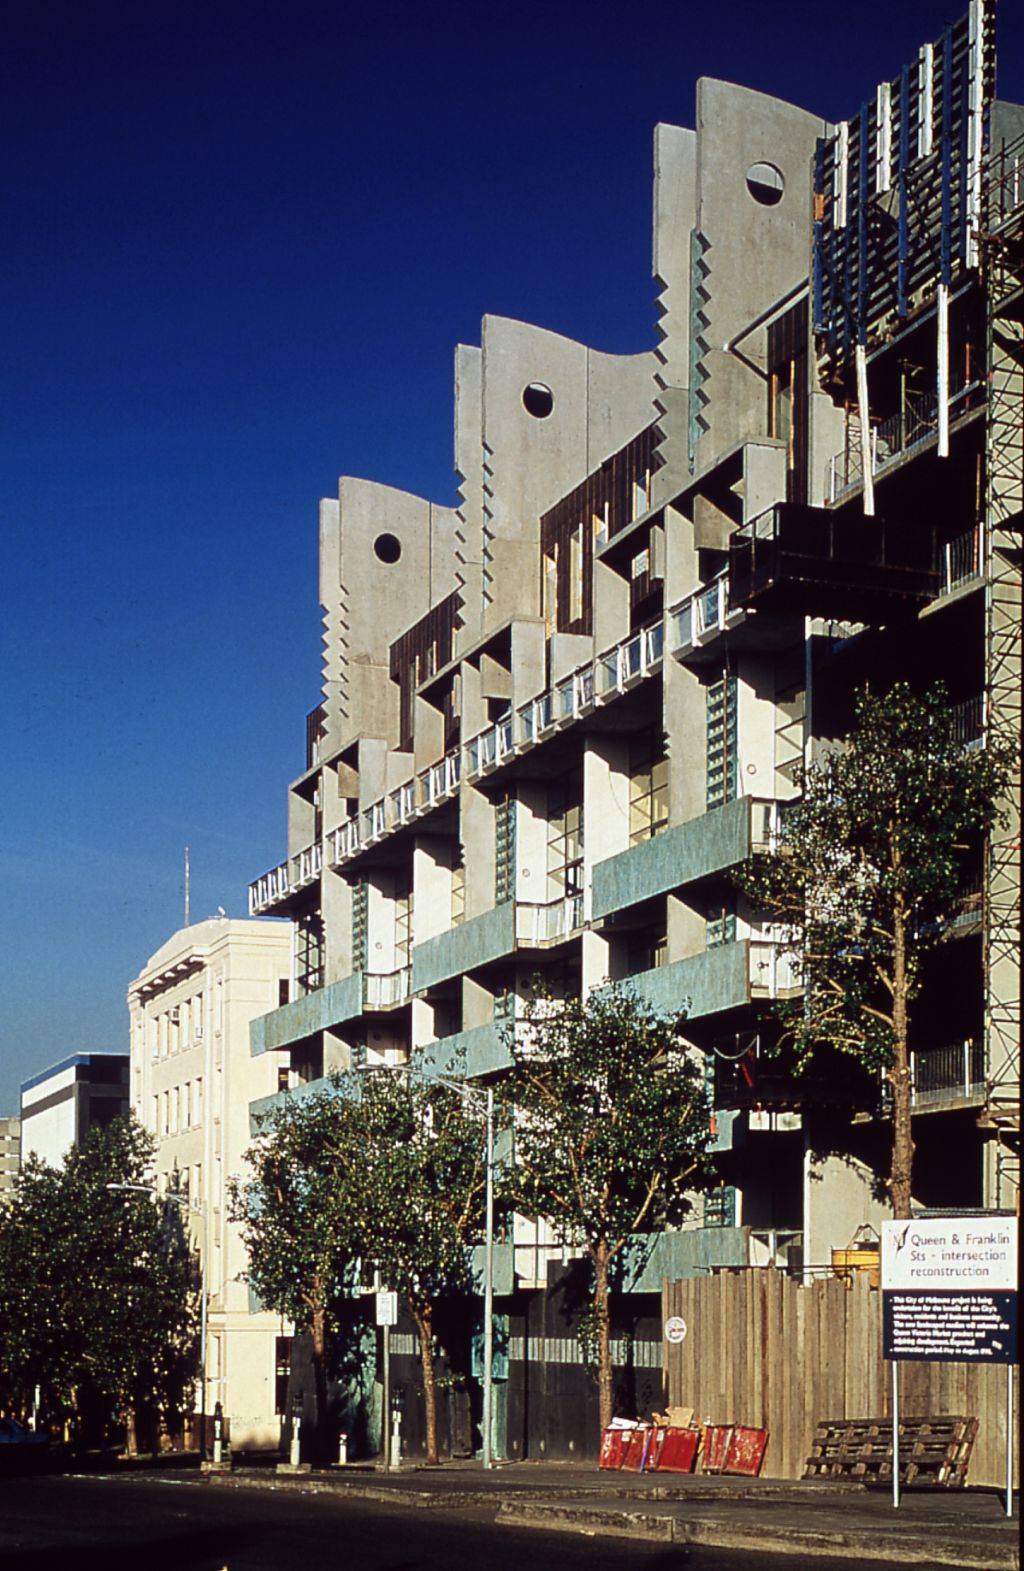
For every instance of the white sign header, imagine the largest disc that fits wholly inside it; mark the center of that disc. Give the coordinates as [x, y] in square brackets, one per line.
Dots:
[951, 1253]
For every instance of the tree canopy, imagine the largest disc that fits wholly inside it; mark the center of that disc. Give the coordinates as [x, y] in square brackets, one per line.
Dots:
[380, 1175]
[98, 1305]
[866, 875]
[612, 1130]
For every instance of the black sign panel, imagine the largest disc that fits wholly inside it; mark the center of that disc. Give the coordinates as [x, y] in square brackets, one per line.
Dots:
[950, 1327]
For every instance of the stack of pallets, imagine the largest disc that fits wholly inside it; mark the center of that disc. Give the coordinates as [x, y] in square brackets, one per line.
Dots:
[932, 1450]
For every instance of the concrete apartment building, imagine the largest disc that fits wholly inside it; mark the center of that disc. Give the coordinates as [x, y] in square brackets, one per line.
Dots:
[60, 1105]
[10, 1156]
[192, 1080]
[555, 715]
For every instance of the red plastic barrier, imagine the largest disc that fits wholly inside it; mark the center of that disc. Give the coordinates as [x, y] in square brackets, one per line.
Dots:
[636, 1449]
[678, 1451]
[716, 1446]
[745, 1451]
[613, 1447]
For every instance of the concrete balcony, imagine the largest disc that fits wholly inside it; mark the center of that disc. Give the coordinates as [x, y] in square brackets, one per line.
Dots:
[474, 943]
[265, 1105]
[725, 977]
[317, 1011]
[697, 849]
[466, 1054]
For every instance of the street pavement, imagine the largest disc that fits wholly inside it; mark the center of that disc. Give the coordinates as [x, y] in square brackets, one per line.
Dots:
[810, 1520]
[419, 1519]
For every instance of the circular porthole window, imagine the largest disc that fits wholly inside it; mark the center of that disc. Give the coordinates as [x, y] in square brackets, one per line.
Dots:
[387, 548]
[538, 400]
[765, 184]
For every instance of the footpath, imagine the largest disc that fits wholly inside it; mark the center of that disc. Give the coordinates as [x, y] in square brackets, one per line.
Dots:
[932, 1527]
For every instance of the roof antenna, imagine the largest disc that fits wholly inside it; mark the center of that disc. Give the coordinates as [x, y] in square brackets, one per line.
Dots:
[186, 886]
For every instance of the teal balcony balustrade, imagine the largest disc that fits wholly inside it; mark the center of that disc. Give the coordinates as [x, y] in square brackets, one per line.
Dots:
[318, 1011]
[679, 856]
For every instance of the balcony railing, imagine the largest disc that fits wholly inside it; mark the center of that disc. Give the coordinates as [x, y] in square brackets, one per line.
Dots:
[953, 1073]
[963, 559]
[295, 874]
[890, 438]
[774, 968]
[702, 614]
[386, 989]
[549, 923]
[969, 722]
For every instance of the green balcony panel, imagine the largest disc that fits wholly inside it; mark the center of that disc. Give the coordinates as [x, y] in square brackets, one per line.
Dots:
[472, 944]
[270, 1104]
[703, 984]
[696, 849]
[677, 1255]
[504, 1274]
[328, 1006]
[466, 1054]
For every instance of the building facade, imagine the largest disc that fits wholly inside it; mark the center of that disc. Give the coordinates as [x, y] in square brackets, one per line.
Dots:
[192, 1080]
[61, 1104]
[10, 1156]
[555, 716]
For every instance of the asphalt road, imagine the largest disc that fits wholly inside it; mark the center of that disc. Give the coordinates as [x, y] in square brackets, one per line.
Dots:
[142, 1524]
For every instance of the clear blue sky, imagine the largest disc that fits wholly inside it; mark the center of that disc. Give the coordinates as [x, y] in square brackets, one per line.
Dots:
[241, 241]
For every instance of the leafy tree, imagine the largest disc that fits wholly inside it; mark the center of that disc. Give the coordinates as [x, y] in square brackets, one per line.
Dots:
[379, 1171]
[97, 1288]
[611, 1131]
[865, 876]
[298, 1212]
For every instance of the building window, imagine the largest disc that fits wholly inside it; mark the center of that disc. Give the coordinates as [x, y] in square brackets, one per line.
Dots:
[721, 922]
[197, 1102]
[722, 773]
[648, 786]
[360, 908]
[565, 841]
[720, 1207]
[403, 925]
[504, 849]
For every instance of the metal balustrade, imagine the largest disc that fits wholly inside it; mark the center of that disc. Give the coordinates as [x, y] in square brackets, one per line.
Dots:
[549, 922]
[963, 559]
[287, 879]
[952, 1072]
[700, 615]
[774, 969]
[891, 438]
[387, 989]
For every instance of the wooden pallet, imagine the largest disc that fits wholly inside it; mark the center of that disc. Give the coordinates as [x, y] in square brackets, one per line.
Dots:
[933, 1450]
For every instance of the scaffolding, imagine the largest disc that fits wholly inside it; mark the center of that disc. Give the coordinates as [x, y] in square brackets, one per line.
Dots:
[1003, 260]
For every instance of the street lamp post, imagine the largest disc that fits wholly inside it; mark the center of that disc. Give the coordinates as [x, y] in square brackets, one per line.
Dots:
[198, 1210]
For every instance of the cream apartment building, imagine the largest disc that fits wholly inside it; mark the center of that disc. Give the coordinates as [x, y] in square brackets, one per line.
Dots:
[192, 1080]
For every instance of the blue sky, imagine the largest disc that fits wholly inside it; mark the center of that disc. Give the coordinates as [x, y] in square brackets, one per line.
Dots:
[241, 244]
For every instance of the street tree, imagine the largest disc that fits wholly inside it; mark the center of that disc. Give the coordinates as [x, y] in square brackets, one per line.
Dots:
[298, 1215]
[612, 1131]
[379, 1174]
[98, 1302]
[867, 872]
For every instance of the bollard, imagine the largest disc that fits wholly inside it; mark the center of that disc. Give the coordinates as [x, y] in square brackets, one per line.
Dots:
[218, 1435]
[342, 1449]
[293, 1454]
[396, 1438]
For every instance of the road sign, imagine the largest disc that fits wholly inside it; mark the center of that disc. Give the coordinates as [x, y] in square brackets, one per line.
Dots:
[949, 1289]
[675, 1329]
[387, 1309]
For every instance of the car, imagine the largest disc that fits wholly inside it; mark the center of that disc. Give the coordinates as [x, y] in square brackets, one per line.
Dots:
[14, 1434]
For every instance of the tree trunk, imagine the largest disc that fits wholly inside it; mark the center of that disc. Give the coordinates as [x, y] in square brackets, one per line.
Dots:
[425, 1326]
[603, 1332]
[899, 1077]
[319, 1330]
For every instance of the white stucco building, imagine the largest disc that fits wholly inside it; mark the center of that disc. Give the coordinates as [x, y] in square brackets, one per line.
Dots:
[192, 1080]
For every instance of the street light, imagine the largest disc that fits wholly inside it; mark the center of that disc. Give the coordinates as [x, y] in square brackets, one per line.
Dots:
[186, 1205]
[486, 1094]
